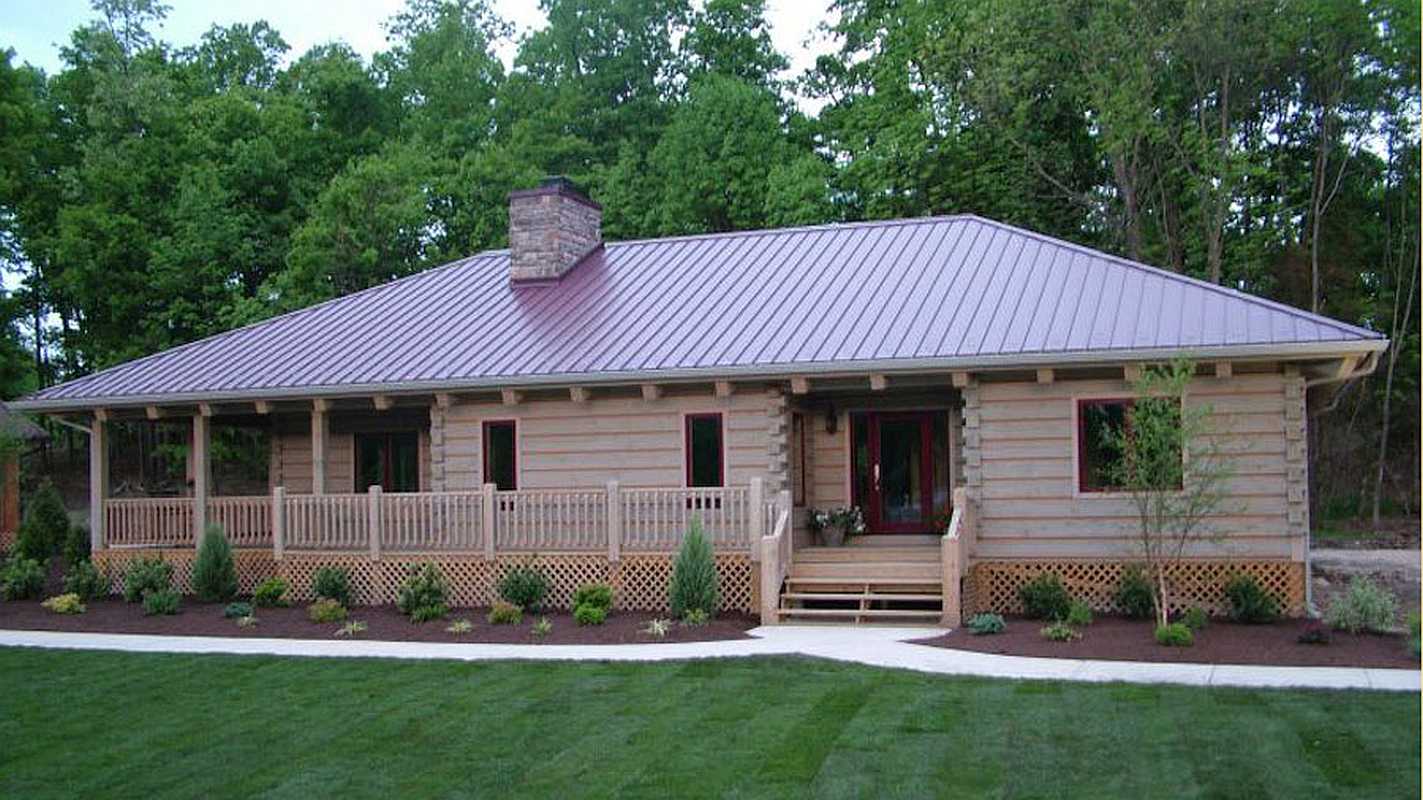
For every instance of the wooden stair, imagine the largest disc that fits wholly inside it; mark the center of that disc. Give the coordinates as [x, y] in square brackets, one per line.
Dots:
[880, 584]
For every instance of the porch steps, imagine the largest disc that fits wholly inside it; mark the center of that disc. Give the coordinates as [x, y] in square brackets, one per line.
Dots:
[882, 584]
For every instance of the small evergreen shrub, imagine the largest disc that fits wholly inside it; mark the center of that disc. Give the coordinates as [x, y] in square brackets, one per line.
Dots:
[459, 626]
[22, 579]
[986, 624]
[695, 618]
[45, 527]
[353, 628]
[1044, 597]
[525, 587]
[247, 622]
[423, 593]
[599, 595]
[237, 610]
[326, 610]
[1060, 632]
[1195, 618]
[214, 572]
[1174, 635]
[65, 604]
[1249, 603]
[1313, 631]
[1415, 633]
[1366, 606]
[84, 580]
[694, 584]
[270, 593]
[160, 602]
[76, 545]
[332, 583]
[542, 628]
[1134, 595]
[1079, 614]
[657, 628]
[146, 575]
[590, 615]
[503, 613]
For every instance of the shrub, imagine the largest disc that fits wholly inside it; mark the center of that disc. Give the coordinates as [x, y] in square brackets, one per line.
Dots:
[45, 527]
[459, 626]
[84, 580]
[1195, 618]
[23, 579]
[333, 583]
[525, 587]
[1044, 597]
[1174, 635]
[146, 575]
[1415, 633]
[594, 594]
[694, 580]
[1060, 632]
[214, 573]
[695, 618]
[326, 610]
[237, 610]
[1313, 631]
[1079, 613]
[270, 593]
[1248, 602]
[657, 628]
[422, 595]
[160, 602]
[590, 615]
[247, 622]
[502, 613]
[1366, 606]
[1135, 596]
[76, 545]
[986, 624]
[65, 604]
[542, 628]
[352, 628]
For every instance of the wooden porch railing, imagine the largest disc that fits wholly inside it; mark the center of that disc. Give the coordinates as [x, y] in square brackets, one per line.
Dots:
[149, 522]
[561, 519]
[655, 519]
[247, 520]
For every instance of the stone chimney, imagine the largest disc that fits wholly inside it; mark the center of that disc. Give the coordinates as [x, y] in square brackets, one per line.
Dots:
[551, 228]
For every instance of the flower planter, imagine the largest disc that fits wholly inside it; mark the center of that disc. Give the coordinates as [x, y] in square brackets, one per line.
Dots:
[832, 535]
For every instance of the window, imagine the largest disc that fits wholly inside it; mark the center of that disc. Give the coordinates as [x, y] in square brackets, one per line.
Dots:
[798, 478]
[500, 455]
[1097, 455]
[388, 460]
[704, 450]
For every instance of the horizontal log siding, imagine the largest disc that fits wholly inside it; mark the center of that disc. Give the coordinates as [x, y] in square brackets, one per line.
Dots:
[567, 445]
[1029, 504]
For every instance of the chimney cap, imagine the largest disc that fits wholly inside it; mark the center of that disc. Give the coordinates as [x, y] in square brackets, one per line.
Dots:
[556, 184]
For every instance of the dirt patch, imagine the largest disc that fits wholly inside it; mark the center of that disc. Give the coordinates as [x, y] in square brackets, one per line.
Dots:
[383, 623]
[1360, 534]
[1119, 639]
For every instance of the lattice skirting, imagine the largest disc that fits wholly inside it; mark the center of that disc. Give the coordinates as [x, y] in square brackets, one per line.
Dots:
[639, 581]
[993, 585]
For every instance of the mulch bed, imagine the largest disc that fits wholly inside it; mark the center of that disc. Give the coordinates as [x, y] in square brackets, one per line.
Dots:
[1119, 639]
[384, 623]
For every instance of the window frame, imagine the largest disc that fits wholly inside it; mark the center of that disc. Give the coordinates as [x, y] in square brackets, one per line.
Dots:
[798, 423]
[484, 451]
[687, 419]
[386, 439]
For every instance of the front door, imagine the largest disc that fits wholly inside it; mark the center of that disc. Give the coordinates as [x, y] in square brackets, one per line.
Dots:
[900, 470]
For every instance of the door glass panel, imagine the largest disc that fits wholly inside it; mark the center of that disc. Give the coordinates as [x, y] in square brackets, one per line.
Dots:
[901, 484]
[404, 463]
[861, 483]
[370, 462]
[940, 442]
[500, 467]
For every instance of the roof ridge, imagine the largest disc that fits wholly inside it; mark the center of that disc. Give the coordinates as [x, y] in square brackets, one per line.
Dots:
[1179, 277]
[822, 226]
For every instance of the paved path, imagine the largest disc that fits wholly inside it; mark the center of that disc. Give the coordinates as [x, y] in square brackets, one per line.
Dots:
[875, 646]
[1407, 561]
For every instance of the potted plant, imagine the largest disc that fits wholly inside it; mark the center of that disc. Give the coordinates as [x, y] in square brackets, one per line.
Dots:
[833, 526]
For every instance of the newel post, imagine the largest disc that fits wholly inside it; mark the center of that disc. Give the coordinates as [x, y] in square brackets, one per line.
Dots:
[770, 579]
[488, 508]
[375, 521]
[279, 522]
[615, 522]
[756, 524]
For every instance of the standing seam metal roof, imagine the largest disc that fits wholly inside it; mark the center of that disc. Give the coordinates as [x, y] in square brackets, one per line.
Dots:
[958, 287]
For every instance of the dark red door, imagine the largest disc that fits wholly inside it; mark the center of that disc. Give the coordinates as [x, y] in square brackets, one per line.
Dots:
[893, 470]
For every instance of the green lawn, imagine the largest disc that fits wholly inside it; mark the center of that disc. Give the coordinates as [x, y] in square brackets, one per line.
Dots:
[89, 724]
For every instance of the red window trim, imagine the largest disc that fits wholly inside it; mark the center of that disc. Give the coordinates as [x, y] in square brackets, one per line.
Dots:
[1082, 403]
[798, 488]
[687, 421]
[513, 454]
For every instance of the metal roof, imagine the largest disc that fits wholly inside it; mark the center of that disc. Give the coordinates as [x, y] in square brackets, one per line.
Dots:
[910, 293]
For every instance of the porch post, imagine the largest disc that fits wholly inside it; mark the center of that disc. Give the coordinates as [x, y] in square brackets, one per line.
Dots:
[374, 521]
[319, 431]
[756, 524]
[202, 437]
[279, 522]
[615, 522]
[98, 479]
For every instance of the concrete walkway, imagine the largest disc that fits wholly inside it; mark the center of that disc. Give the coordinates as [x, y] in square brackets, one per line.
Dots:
[874, 646]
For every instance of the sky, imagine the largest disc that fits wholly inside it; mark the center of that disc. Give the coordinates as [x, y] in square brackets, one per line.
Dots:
[35, 29]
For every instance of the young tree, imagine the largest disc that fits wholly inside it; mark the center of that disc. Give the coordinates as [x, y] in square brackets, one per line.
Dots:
[1171, 462]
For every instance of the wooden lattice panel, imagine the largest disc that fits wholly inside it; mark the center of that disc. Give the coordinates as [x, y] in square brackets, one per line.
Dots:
[565, 573]
[112, 564]
[368, 578]
[642, 580]
[993, 585]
